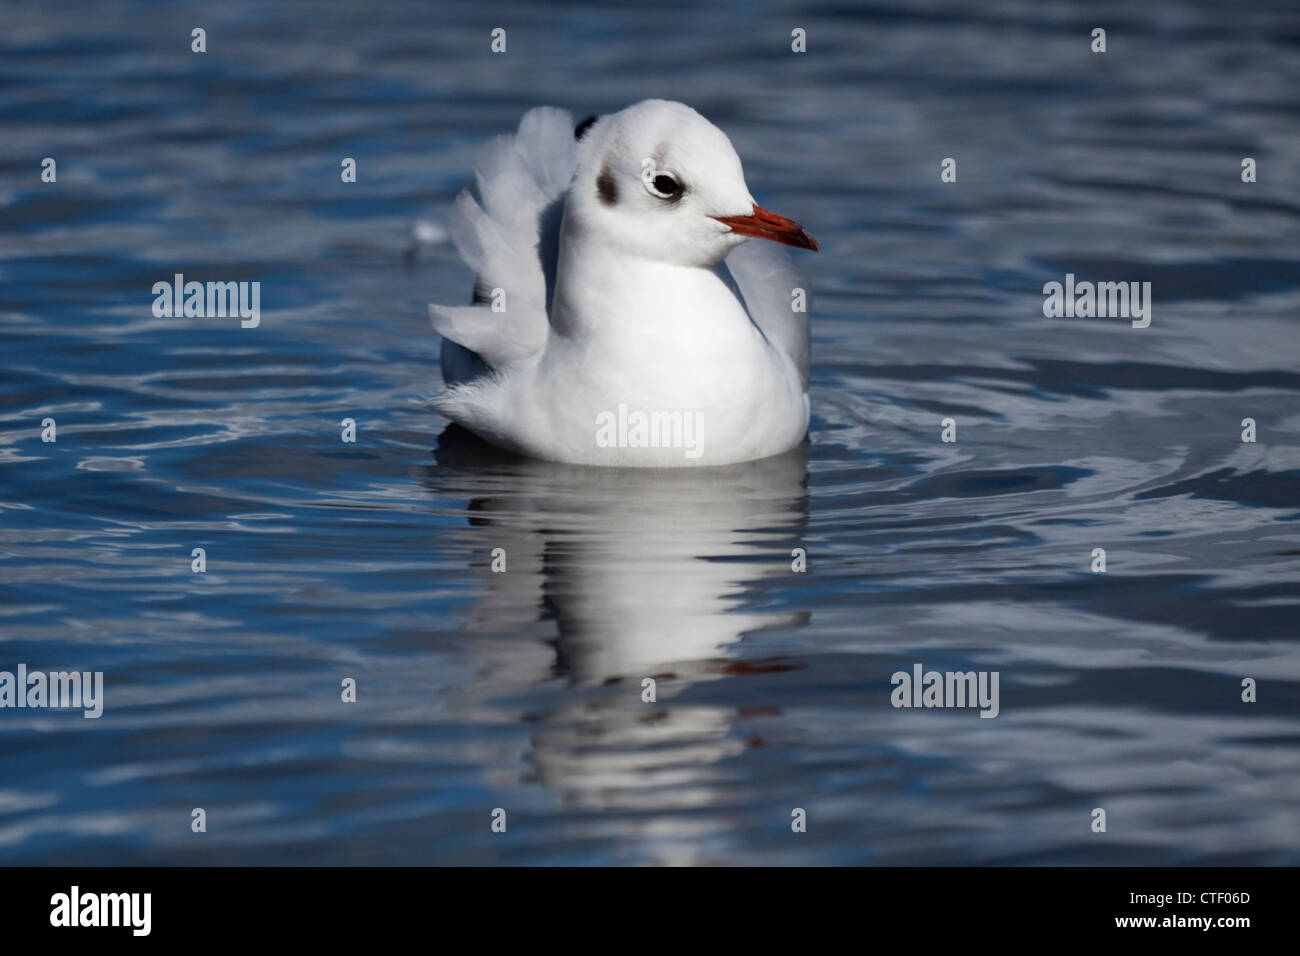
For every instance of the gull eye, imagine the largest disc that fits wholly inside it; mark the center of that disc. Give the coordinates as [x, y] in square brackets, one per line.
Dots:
[664, 186]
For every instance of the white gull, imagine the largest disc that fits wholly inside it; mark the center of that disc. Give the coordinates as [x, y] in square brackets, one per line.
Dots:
[619, 316]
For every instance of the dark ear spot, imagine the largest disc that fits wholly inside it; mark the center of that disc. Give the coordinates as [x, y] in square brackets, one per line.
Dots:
[606, 188]
[582, 127]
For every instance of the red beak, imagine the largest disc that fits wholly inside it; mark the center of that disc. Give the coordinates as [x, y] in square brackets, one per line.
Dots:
[768, 225]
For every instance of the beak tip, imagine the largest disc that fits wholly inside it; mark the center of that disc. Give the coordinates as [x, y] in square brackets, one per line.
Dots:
[762, 224]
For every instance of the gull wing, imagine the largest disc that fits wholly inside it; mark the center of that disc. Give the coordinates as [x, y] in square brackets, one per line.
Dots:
[507, 230]
[766, 277]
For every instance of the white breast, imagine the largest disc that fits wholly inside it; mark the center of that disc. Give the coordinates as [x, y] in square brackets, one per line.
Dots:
[644, 342]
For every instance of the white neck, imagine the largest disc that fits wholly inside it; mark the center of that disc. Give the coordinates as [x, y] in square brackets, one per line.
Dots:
[605, 294]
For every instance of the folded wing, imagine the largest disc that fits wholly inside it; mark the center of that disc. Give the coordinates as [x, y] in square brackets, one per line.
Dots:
[773, 288]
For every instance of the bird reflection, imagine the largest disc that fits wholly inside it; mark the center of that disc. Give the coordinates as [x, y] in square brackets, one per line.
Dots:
[645, 574]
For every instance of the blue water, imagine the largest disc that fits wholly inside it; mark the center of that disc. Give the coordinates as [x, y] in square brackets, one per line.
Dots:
[522, 691]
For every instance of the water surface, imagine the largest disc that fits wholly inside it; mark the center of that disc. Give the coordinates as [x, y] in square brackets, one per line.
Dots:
[480, 690]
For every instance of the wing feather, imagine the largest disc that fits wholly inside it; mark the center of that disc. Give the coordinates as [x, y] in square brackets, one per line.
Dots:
[767, 279]
[505, 234]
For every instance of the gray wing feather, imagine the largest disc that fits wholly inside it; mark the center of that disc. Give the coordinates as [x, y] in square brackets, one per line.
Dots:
[505, 235]
[766, 276]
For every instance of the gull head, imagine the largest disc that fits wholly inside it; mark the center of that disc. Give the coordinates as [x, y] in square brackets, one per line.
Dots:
[659, 181]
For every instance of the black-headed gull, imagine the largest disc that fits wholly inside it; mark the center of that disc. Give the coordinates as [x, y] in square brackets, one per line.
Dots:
[617, 317]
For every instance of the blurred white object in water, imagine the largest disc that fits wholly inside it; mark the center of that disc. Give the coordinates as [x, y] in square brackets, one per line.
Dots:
[428, 233]
[423, 233]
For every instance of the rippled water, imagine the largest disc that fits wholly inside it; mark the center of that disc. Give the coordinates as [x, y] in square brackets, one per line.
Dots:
[522, 690]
